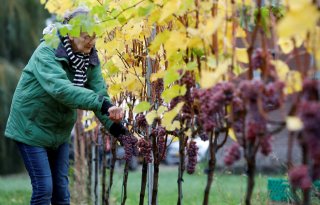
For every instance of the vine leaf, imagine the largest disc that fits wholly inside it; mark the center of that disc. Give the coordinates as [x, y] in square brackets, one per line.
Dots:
[168, 118]
[141, 107]
[296, 22]
[232, 135]
[242, 55]
[293, 82]
[172, 92]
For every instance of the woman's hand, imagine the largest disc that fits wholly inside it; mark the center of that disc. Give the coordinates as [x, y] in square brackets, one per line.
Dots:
[115, 113]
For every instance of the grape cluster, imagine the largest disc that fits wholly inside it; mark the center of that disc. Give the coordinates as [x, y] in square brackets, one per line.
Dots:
[310, 90]
[145, 150]
[252, 90]
[175, 101]
[192, 153]
[160, 133]
[204, 136]
[211, 104]
[141, 121]
[238, 112]
[188, 79]
[233, 154]
[129, 143]
[265, 145]
[309, 112]
[258, 58]
[272, 97]
[299, 177]
[161, 147]
[158, 88]
[255, 126]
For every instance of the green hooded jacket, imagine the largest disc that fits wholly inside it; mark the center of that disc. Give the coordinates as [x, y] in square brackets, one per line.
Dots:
[43, 110]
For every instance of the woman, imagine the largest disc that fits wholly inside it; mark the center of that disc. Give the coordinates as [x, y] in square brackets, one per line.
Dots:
[54, 83]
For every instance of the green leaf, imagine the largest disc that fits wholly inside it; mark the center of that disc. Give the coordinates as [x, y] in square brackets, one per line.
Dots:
[144, 11]
[172, 92]
[52, 40]
[192, 65]
[75, 31]
[170, 77]
[141, 107]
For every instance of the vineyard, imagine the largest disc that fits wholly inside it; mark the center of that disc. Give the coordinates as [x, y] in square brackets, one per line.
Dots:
[187, 69]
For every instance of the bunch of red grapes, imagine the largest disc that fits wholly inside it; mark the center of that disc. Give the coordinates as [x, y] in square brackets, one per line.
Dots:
[192, 153]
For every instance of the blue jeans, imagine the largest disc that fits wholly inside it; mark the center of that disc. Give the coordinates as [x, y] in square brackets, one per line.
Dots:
[48, 171]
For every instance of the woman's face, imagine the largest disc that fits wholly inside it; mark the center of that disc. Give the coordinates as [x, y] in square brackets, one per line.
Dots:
[84, 43]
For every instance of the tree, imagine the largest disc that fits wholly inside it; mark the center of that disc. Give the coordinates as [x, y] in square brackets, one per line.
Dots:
[21, 23]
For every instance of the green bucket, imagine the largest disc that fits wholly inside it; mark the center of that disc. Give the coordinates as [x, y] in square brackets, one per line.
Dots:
[278, 189]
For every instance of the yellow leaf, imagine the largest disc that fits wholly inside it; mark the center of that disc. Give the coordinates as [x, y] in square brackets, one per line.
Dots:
[210, 78]
[294, 123]
[114, 89]
[91, 126]
[232, 135]
[242, 55]
[282, 69]
[155, 76]
[132, 29]
[161, 110]
[151, 116]
[210, 26]
[89, 116]
[172, 92]
[59, 6]
[286, 45]
[141, 107]
[297, 5]
[169, 8]
[168, 117]
[170, 76]
[240, 33]
[160, 39]
[188, 133]
[237, 70]
[177, 41]
[298, 22]
[112, 46]
[293, 82]
[195, 42]
[133, 84]
[244, 2]
[118, 62]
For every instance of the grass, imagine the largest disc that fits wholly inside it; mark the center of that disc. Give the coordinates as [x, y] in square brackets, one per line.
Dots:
[15, 190]
[226, 189]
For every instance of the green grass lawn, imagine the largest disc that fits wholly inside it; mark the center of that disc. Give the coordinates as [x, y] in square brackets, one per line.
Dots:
[226, 189]
[15, 190]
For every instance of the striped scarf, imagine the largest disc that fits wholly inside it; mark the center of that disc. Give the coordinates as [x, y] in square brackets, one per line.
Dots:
[79, 63]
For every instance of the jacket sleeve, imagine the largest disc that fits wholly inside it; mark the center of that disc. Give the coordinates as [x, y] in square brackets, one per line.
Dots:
[53, 78]
[98, 85]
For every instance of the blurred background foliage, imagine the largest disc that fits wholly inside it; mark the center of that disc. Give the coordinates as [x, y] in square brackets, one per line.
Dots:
[21, 22]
